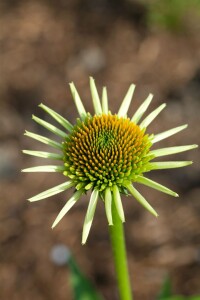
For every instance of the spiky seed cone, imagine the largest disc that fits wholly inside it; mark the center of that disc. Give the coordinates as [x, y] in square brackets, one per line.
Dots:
[105, 150]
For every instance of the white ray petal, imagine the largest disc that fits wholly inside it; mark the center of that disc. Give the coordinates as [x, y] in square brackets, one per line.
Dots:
[44, 140]
[171, 150]
[141, 199]
[95, 97]
[108, 206]
[89, 215]
[126, 102]
[118, 203]
[67, 206]
[78, 102]
[50, 127]
[141, 110]
[152, 116]
[53, 191]
[45, 169]
[163, 135]
[105, 101]
[169, 164]
[44, 154]
[62, 121]
[155, 185]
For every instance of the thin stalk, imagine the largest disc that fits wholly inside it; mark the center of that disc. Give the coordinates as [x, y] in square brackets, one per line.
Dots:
[119, 253]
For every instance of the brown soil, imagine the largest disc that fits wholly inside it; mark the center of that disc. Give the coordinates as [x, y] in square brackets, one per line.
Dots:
[43, 47]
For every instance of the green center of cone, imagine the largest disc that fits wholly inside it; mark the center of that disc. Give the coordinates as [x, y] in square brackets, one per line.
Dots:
[105, 150]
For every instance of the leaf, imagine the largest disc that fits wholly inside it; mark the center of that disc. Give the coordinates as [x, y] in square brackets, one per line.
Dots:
[166, 290]
[82, 287]
[181, 298]
[175, 298]
[166, 293]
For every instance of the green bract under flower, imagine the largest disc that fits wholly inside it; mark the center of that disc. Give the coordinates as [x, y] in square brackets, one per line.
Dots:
[104, 153]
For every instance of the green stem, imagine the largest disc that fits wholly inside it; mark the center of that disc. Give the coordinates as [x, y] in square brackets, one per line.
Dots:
[119, 254]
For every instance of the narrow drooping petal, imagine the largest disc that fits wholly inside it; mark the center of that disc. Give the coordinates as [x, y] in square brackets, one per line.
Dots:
[169, 165]
[141, 199]
[50, 127]
[118, 203]
[95, 97]
[104, 101]
[155, 185]
[78, 102]
[165, 134]
[152, 116]
[44, 140]
[89, 215]
[126, 102]
[53, 191]
[108, 205]
[44, 154]
[172, 150]
[141, 110]
[62, 121]
[45, 169]
[67, 206]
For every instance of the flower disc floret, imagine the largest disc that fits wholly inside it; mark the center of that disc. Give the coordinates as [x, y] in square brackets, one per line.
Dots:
[105, 150]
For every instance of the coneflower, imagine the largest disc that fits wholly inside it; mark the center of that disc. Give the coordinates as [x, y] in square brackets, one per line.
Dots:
[105, 153]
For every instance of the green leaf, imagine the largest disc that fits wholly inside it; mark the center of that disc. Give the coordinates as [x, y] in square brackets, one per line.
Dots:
[82, 287]
[166, 293]
[166, 290]
[181, 298]
[174, 298]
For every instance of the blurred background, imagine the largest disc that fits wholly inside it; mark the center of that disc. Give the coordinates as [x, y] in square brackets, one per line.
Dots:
[44, 46]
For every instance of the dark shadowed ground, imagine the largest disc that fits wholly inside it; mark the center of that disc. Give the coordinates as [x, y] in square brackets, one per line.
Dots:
[45, 45]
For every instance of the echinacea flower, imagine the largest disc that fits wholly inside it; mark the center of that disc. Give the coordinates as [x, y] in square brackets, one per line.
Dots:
[105, 153]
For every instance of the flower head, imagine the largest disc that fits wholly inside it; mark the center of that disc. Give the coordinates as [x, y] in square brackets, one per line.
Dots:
[104, 153]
